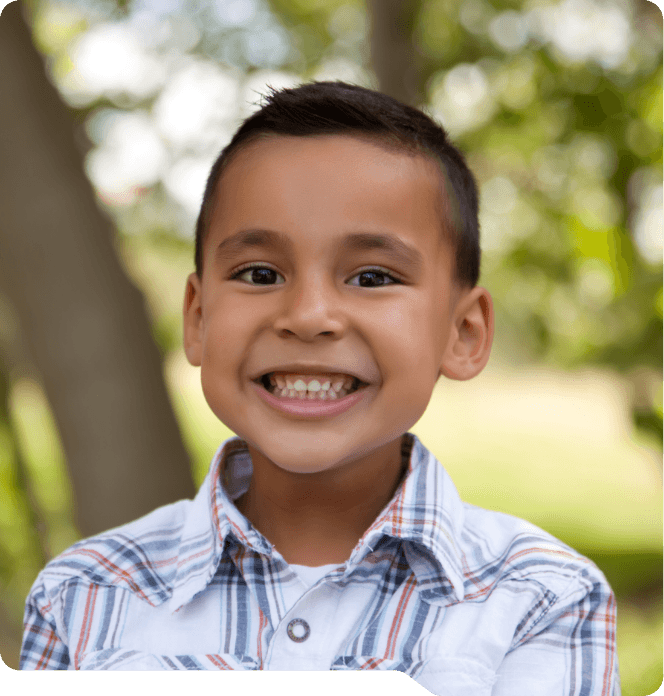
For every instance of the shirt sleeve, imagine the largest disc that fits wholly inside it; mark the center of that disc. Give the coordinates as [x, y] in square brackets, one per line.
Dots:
[42, 647]
[570, 650]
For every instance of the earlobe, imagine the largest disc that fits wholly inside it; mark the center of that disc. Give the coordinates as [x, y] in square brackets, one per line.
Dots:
[192, 320]
[471, 338]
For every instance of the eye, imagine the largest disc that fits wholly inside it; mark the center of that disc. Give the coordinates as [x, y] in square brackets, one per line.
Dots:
[257, 272]
[369, 277]
[375, 275]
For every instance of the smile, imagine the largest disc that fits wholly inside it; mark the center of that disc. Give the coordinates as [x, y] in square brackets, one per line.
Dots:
[310, 396]
[322, 387]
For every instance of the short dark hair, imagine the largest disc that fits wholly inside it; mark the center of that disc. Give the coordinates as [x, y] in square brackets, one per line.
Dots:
[339, 108]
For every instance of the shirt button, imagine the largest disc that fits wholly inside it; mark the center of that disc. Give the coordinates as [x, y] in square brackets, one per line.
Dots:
[298, 630]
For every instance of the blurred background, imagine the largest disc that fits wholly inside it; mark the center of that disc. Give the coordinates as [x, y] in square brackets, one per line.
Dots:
[111, 115]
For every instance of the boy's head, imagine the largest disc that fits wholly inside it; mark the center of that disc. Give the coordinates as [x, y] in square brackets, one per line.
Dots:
[338, 108]
[334, 257]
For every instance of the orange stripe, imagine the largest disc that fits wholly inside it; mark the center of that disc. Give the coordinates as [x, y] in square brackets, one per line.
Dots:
[216, 660]
[610, 640]
[474, 579]
[214, 479]
[48, 652]
[261, 627]
[116, 570]
[396, 622]
[373, 662]
[165, 562]
[87, 622]
[189, 559]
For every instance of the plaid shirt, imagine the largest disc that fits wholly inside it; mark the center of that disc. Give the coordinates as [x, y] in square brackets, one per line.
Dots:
[464, 600]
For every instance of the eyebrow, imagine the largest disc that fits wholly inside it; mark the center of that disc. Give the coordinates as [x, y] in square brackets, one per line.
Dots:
[393, 247]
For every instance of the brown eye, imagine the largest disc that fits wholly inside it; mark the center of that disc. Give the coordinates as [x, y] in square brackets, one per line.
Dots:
[258, 275]
[264, 275]
[374, 278]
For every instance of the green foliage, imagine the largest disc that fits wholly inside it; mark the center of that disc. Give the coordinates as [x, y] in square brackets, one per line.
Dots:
[564, 151]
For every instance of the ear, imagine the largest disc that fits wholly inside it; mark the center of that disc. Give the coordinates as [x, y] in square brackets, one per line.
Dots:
[471, 338]
[193, 320]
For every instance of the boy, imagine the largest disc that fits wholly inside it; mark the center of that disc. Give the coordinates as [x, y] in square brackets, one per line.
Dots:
[337, 258]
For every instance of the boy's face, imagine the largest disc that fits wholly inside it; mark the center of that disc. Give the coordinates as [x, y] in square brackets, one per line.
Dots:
[328, 199]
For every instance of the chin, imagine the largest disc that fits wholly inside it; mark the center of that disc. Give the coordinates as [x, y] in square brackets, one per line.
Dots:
[305, 458]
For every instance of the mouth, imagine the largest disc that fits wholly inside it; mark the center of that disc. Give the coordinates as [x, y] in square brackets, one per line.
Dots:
[319, 387]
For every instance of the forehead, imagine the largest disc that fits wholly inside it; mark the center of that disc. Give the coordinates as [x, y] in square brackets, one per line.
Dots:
[343, 157]
[328, 186]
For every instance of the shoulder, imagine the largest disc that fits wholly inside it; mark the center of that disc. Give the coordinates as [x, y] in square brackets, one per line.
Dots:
[500, 548]
[546, 592]
[140, 556]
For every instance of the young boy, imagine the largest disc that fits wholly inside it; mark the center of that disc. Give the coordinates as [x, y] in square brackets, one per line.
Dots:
[337, 258]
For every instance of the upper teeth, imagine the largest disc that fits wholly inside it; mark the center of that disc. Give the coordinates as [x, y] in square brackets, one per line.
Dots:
[312, 383]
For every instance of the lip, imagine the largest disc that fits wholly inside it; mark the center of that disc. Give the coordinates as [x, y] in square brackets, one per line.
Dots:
[310, 408]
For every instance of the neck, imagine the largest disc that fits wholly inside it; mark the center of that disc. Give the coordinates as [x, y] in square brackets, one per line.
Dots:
[316, 519]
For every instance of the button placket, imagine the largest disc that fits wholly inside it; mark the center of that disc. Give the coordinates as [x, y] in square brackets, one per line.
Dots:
[317, 608]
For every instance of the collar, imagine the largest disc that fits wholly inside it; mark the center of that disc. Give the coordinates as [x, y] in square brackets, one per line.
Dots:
[425, 510]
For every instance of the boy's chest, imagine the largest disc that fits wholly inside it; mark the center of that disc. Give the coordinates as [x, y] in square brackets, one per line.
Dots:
[359, 624]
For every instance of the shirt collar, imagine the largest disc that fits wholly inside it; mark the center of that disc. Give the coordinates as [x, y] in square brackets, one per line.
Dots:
[212, 518]
[425, 510]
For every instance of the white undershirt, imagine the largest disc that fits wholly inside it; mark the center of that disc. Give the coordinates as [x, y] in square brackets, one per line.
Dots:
[311, 575]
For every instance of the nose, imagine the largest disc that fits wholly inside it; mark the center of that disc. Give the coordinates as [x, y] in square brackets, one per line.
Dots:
[311, 308]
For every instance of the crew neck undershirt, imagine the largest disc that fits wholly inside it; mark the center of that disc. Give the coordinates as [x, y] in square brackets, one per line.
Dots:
[311, 575]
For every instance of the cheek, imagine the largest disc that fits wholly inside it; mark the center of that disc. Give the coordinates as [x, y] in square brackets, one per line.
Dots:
[407, 339]
[224, 343]
[226, 326]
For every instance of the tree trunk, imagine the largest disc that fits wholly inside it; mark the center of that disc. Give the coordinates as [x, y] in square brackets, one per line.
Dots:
[394, 58]
[85, 324]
